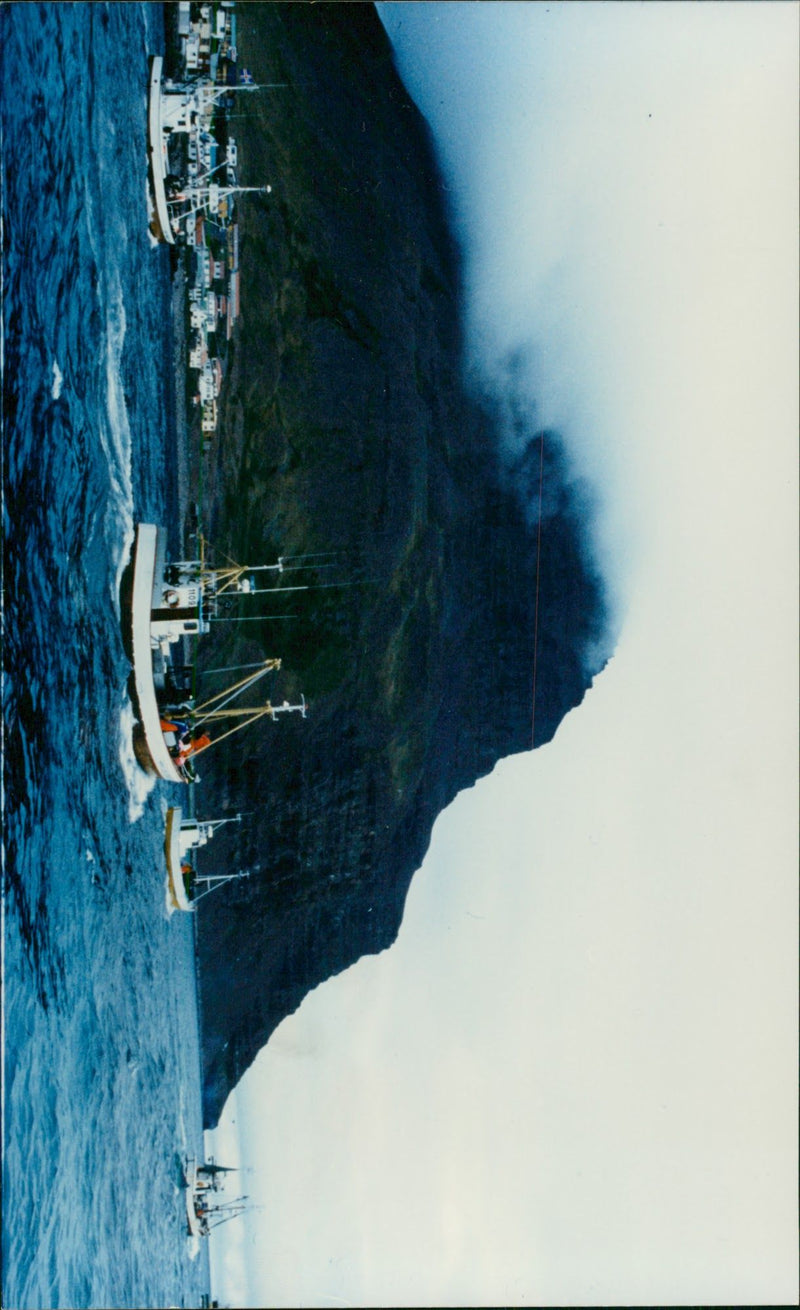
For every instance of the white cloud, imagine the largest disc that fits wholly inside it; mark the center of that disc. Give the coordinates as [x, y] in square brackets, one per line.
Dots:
[573, 1076]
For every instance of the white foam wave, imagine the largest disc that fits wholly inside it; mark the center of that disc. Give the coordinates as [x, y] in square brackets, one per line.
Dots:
[153, 240]
[182, 1131]
[58, 380]
[126, 549]
[140, 786]
[115, 436]
[168, 906]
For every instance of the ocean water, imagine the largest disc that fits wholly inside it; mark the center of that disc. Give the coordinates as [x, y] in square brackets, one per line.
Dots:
[101, 1062]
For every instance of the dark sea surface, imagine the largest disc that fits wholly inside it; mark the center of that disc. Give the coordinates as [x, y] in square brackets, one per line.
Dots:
[101, 1051]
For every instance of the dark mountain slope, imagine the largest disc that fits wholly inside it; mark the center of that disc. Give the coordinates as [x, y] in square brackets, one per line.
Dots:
[346, 428]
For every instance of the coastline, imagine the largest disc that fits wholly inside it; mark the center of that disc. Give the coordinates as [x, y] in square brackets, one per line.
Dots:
[183, 460]
[187, 492]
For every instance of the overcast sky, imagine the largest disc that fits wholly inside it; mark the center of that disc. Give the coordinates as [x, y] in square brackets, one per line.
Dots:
[572, 1079]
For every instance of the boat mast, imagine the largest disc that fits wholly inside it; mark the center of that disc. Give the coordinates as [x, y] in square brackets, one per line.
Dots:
[191, 193]
[235, 1209]
[210, 826]
[213, 881]
[263, 711]
[229, 574]
[230, 693]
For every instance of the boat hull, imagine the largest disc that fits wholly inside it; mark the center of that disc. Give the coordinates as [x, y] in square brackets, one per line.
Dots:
[172, 850]
[162, 227]
[148, 740]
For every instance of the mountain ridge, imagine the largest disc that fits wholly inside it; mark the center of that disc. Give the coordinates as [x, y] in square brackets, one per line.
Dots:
[348, 430]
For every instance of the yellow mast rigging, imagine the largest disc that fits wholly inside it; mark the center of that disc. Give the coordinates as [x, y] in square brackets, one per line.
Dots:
[267, 710]
[216, 707]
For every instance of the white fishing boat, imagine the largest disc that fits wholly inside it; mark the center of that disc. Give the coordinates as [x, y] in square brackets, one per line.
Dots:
[158, 617]
[183, 836]
[170, 602]
[157, 155]
[184, 108]
[203, 1211]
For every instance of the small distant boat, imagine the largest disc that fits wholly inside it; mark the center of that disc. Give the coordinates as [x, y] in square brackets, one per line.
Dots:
[182, 837]
[203, 1212]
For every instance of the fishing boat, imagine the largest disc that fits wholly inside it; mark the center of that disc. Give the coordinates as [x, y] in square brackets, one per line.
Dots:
[203, 1211]
[159, 616]
[170, 602]
[184, 109]
[186, 886]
